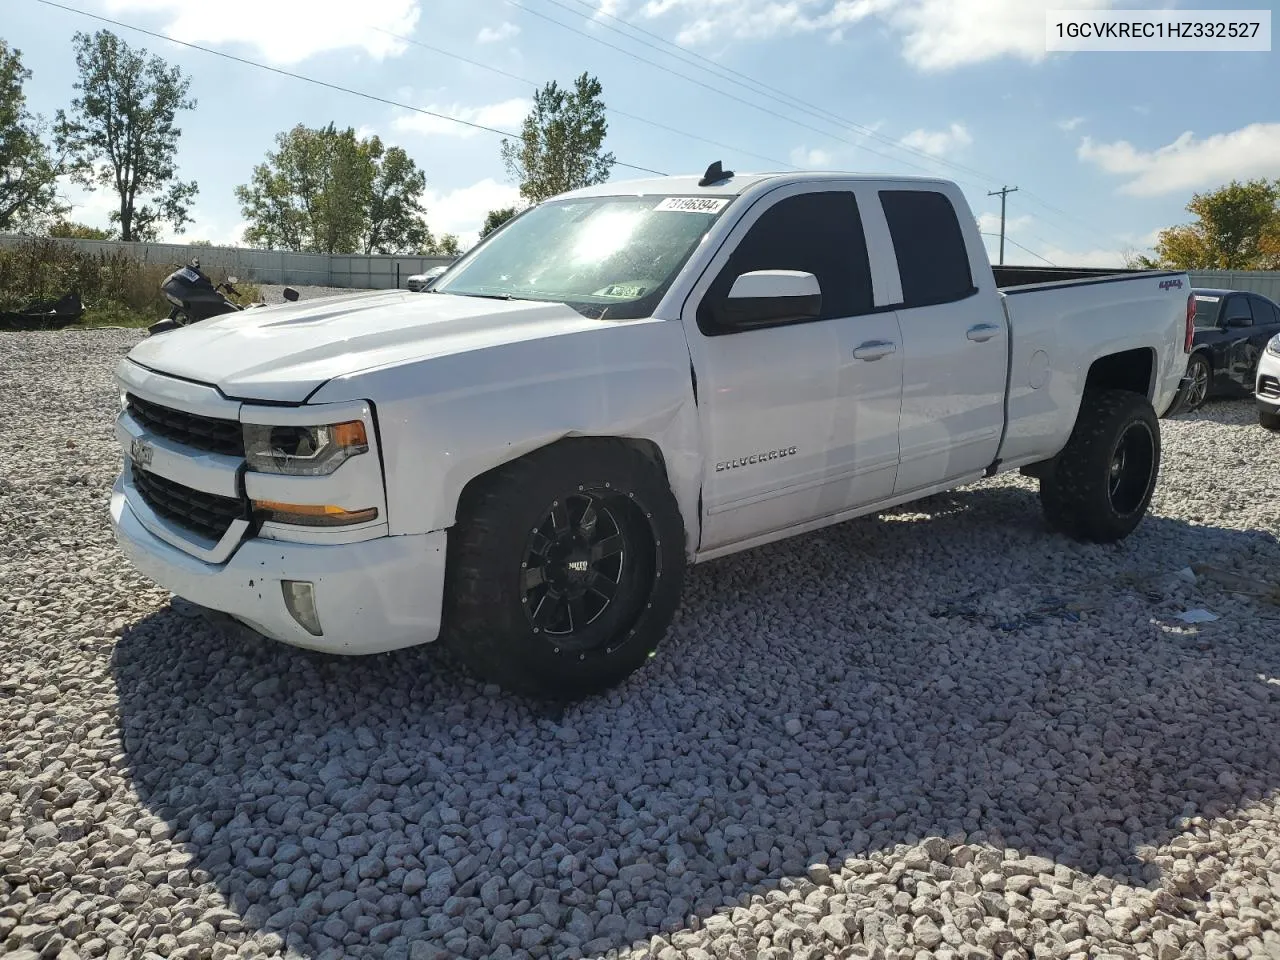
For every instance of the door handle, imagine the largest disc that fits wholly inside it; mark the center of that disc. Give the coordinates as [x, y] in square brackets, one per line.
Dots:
[874, 349]
[982, 332]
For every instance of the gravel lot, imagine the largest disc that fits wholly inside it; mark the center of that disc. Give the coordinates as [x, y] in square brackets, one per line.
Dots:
[941, 732]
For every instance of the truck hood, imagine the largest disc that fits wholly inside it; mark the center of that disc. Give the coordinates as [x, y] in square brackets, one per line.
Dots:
[284, 353]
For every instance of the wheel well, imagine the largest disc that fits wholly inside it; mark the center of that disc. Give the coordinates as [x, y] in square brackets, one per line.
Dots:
[647, 448]
[1128, 370]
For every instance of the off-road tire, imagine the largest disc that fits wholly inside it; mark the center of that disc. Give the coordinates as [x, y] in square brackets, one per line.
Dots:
[1270, 421]
[1080, 494]
[488, 623]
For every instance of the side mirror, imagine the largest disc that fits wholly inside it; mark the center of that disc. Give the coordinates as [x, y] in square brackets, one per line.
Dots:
[290, 294]
[766, 297]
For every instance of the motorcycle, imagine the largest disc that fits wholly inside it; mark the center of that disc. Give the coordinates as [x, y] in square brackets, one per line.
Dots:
[195, 297]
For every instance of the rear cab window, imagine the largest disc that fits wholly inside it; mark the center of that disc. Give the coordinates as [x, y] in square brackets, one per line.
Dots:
[933, 260]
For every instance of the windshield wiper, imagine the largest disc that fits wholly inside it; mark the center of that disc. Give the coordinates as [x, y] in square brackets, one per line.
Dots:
[484, 296]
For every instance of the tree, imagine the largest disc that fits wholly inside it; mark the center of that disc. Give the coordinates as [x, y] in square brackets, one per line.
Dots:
[446, 246]
[77, 231]
[324, 190]
[121, 133]
[496, 218]
[28, 174]
[395, 202]
[1237, 228]
[560, 141]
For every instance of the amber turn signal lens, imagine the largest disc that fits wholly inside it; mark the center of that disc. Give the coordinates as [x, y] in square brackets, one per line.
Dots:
[312, 514]
[350, 434]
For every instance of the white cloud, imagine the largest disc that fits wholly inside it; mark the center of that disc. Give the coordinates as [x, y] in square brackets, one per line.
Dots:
[1188, 163]
[462, 211]
[939, 143]
[506, 115]
[285, 31]
[990, 223]
[811, 158]
[1070, 124]
[935, 34]
[503, 31]
[944, 34]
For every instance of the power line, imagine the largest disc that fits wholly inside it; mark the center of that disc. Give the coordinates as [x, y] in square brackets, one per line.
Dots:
[298, 76]
[775, 93]
[614, 110]
[1020, 247]
[707, 86]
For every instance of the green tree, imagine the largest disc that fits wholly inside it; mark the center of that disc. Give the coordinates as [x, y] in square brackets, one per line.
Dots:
[324, 190]
[396, 223]
[1237, 227]
[496, 218]
[78, 231]
[121, 133]
[561, 141]
[445, 246]
[28, 173]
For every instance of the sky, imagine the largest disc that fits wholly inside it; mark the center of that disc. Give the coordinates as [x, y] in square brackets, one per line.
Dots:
[1105, 148]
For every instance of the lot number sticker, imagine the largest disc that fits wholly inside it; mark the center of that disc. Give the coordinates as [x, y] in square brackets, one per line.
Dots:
[693, 204]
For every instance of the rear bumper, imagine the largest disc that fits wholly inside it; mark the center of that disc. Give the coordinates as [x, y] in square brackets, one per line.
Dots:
[371, 596]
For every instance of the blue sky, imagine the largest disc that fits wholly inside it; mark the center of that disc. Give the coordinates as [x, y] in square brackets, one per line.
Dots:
[1106, 148]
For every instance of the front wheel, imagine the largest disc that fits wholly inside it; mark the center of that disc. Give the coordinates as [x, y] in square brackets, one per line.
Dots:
[1270, 421]
[1200, 376]
[1100, 486]
[564, 569]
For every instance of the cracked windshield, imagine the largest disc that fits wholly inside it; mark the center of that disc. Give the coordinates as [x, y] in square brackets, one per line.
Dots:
[607, 257]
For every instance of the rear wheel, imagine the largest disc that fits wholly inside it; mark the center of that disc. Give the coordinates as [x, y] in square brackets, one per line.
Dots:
[1269, 420]
[564, 569]
[1100, 486]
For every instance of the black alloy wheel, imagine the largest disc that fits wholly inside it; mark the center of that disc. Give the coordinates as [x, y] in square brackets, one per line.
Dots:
[576, 563]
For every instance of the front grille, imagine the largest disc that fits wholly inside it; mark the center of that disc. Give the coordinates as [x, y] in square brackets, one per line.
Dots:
[414, 285]
[190, 429]
[207, 514]
[1268, 387]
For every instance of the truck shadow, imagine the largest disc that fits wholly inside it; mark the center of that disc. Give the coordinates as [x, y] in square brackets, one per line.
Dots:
[1075, 724]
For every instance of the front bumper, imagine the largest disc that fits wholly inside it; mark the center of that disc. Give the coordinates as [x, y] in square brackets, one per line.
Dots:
[371, 596]
[1267, 387]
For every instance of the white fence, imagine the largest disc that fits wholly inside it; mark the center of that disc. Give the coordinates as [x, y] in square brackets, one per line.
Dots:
[1265, 282]
[269, 266]
[387, 272]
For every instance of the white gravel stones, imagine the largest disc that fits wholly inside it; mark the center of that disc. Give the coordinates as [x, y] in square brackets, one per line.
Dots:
[1003, 743]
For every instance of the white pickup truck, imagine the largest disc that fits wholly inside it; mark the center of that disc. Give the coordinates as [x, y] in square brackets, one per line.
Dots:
[619, 382]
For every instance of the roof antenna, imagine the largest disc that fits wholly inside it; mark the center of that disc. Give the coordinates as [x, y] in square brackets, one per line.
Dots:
[715, 173]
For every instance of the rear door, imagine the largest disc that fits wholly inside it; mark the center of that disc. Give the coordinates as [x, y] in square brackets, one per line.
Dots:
[799, 421]
[955, 342]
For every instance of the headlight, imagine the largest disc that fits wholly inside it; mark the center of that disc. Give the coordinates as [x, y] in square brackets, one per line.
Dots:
[174, 300]
[1273, 346]
[303, 451]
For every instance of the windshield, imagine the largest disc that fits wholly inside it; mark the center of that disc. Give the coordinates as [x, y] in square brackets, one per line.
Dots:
[1207, 308]
[608, 257]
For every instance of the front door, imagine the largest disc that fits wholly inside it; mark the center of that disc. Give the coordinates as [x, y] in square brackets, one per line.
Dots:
[800, 421]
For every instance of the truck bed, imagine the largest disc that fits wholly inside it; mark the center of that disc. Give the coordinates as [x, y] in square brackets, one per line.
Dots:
[1027, 276]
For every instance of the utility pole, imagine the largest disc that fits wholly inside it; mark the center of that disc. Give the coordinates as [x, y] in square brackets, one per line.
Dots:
[1002, 194]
